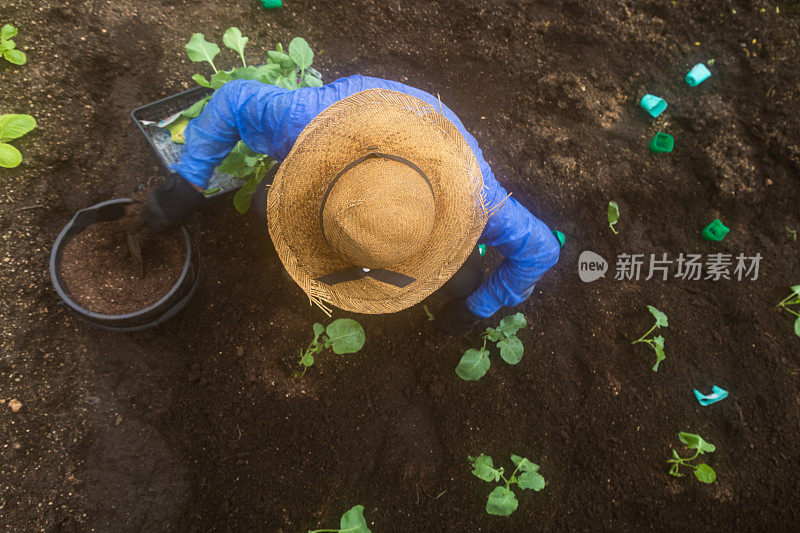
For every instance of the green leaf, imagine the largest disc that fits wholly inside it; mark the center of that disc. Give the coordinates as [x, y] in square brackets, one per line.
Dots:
[13, 126]
[795, 289]
[473, 365]
[281, 59]
[661, 318]
[199, 79]
[797, 327]
[301, 53]
[287, 82]
[9, 156]
[658, 346]
[705, 473]
[15, 56]
[243, 196]
[353, 521]
[511, 324]
[613, 214]
[7, 32]
[346, 335]
[523, 464]
[196, 108]
[177, 129]
[675, 455]
[319, 329]
[502, 502]
[311, 81]
[268, 73]
[198, 49]
[484, 469]
[233, 39]
[240, 162]
[492, 334]
[244, 73]
[511, 350]
[307, 359]
[7, 45]
[531, 480]
[220, 78]
[696, 442]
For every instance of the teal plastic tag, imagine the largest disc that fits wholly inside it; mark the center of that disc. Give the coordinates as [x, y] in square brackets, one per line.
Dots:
[716, 395]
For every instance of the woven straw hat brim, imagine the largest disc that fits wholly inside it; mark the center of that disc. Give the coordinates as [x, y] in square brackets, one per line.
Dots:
[390, 122]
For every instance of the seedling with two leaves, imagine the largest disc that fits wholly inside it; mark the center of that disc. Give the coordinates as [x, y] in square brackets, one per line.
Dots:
[351, 522]
[502, 500]
[281, 69]
[8, 48]
[792, 299]
[656, 343]
[13, 126]
[343, 336]
[475, 363]
[702, 471]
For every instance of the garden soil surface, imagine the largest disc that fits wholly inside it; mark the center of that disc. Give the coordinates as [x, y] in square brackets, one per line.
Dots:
[101, 274]
[197, 424]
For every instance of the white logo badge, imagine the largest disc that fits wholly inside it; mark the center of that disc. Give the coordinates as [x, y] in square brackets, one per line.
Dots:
[591, 266]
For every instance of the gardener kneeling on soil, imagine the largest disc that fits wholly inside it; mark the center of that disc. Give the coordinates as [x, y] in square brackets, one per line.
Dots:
[378, 201]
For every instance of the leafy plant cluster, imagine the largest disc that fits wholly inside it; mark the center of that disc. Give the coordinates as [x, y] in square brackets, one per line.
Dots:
[351, 522]
[502, 500]
[343, 336]
[13, 126]
[287, 69]
[702, 471]
[792, 299]
[475, 363]
[656, 343]
[8, 48]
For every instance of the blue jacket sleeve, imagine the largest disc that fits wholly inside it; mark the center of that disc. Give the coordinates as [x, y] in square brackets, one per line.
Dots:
[528, 245]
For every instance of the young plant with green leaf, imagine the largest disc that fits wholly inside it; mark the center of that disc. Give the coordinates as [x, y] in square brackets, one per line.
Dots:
[13, 126]
[502, 500]
[656, 343]
[289, 71]
[702, 471]
[351, 522]
[612, 212]
[8, 48]
[475, 363]
[792, 299]
[343, 336]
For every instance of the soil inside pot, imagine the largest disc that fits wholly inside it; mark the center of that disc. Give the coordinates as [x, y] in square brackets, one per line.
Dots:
[102, 276]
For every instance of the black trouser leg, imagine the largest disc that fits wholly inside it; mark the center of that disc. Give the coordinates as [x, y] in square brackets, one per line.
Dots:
[465, 280]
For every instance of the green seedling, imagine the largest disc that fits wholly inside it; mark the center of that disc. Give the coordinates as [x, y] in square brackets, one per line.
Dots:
[8, 48]
[475, 363]
[13, 126]
[343, 335]
[792, 299]
[791, 233]
[502, 500]
[613, 215]
[702, 471]
[281, 69]
[656, 343]
[428, 313]
[351, 522]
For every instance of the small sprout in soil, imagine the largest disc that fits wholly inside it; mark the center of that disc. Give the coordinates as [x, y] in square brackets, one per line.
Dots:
[791, 233]
[13, 126]
[281, 69]
[475, 363]
[792, 299]
[344, 335]
[502, 500]
[702, 471]
[428, 313]
[8, 48]
[613, 215]
[656, 343]
[351, 522]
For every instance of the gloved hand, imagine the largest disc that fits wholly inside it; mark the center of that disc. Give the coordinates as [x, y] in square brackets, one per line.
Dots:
[165, 208]
[456, 319]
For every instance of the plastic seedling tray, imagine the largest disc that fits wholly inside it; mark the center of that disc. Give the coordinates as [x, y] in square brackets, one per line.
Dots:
[148, 117]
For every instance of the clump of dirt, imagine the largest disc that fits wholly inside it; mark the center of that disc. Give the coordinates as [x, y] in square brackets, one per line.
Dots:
[102, 276]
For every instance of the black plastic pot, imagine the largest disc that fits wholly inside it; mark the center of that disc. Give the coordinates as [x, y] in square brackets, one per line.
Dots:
[149, 317]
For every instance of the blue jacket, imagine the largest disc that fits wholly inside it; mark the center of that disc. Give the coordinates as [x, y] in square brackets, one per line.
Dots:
[269, 119]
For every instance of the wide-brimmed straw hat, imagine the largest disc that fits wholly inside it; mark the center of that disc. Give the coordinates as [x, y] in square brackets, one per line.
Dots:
[378, 203]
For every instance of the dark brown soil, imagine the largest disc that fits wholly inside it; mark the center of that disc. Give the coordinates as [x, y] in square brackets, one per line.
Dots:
[102, 275]
[197, 425]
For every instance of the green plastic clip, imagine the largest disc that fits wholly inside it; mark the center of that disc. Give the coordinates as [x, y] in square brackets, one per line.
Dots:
[560, 237]
[271, 4]
[662, 143]
[715, 231]
[481, 250]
